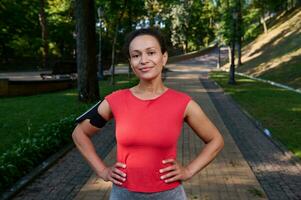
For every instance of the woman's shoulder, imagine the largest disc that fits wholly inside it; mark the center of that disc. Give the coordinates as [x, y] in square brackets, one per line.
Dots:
[117, 93]
[179, 94]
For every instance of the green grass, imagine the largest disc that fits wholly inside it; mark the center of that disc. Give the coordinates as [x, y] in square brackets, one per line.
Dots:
[288, 73]
[277, 109]
[276, 56]
[23, 116]
[256, 192]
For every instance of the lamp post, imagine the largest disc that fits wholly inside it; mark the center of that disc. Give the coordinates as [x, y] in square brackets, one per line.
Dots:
[218, 63]
[100, 68]
[232, 65]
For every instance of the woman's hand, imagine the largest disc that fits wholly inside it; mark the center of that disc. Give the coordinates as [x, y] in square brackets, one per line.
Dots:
[113, 174]
[176, 172]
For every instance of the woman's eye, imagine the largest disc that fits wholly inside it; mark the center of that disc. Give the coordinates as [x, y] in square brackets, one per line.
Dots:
[135, 56]
[151, 53]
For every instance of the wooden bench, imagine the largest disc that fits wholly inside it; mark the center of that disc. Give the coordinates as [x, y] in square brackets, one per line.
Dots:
[65, 69]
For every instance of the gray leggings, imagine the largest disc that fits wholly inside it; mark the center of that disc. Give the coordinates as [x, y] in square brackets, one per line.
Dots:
[120, 193]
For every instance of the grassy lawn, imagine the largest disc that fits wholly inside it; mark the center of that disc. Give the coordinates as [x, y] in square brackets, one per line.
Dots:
[276, 56]
[22, 116]
[277, 109]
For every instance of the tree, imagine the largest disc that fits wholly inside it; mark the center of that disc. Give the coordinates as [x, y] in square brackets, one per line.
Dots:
[239, 31]
[61, 23]
[233, 42]
[43, 24]
[86, 50]
[20, 33]
[227, 31]
[179, 22]
[115, 41]
[191, 23]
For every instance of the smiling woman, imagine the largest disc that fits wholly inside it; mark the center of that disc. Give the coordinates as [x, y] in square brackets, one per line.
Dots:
[149, 118]
[147, 61]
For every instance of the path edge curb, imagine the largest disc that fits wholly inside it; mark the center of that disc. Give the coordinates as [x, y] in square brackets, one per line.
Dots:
[37, 171]
[257, 124]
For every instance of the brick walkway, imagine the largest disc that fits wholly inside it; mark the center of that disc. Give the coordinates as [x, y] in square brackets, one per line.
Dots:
[277, 170]
[230, 176]
[69, 174]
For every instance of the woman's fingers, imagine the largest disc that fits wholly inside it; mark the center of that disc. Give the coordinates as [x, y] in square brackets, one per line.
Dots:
[168, 161]
[119, 164]
[169, 168]
[115, 175]
[115, 181]
[174, 165]
[173, 173]
[172, 179]
[119, 172]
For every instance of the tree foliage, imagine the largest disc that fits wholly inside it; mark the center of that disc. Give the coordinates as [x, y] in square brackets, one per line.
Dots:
[187, 24]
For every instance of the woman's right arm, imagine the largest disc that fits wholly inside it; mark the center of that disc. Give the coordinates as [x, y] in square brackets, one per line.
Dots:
[82, 138]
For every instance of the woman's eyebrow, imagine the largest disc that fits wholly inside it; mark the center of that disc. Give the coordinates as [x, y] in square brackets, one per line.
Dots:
[134, 51]
[149, 48]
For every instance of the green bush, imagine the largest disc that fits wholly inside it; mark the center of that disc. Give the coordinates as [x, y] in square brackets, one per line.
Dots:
[22, 157]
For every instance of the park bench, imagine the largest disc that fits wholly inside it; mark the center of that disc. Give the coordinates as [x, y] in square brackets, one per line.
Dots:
[62, 70]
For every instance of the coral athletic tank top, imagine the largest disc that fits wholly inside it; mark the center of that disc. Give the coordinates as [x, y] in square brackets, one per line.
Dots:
[147, 132]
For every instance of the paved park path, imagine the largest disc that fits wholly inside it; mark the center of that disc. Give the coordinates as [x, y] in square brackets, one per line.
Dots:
[249, 167]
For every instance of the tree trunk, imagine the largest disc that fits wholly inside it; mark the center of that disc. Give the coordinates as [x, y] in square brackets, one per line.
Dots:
[42, 20]
[232, 65]
[262, 21]
[239, 32]
[218, 64]
[86, 50]
[114, 43]
[130, 29]
[113, 56]
[229, 54]
[239, 63]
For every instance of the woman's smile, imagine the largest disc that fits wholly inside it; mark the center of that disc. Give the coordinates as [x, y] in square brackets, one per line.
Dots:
[146, 58]
[145, 69]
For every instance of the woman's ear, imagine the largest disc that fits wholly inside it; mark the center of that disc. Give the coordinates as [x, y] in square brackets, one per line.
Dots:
[129, 62]
[165, 58]
[133, 70]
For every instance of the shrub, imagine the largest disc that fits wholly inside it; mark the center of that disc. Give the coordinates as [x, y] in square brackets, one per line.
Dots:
[22, 157]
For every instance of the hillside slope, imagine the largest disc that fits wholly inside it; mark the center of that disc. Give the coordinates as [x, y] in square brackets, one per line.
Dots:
[276, 55]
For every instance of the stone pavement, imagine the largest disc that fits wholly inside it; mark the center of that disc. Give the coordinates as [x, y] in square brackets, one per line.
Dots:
[277, 170]
[229, 176]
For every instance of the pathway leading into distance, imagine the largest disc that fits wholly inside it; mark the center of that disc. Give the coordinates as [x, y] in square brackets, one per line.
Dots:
[249, 167]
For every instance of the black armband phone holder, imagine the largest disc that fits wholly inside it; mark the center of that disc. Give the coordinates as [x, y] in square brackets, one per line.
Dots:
[95, 118]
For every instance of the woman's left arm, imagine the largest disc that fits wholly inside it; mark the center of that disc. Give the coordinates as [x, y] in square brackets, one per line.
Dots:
[206, 131]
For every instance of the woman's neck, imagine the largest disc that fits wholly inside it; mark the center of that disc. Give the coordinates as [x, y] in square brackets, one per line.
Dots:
[151, 87]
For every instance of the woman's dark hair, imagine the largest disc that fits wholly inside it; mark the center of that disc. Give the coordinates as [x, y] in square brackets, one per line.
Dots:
[144, 31]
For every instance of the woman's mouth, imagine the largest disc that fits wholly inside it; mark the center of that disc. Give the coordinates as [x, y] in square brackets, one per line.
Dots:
[145, 69]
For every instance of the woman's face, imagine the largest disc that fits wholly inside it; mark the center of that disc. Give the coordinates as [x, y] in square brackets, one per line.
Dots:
[146, 58]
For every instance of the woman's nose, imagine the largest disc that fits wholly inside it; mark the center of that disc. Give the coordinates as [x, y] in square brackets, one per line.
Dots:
[144, 58]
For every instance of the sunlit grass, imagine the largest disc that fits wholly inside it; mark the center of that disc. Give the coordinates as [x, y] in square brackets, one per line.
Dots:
[23, 116]
[276, 56]
[277, 109]
[298, 153]
[71, 94]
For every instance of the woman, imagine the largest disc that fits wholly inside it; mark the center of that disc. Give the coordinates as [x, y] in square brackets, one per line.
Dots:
[149, 118]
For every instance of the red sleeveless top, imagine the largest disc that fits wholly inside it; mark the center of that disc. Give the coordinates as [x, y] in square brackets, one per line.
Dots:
[147, 132]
